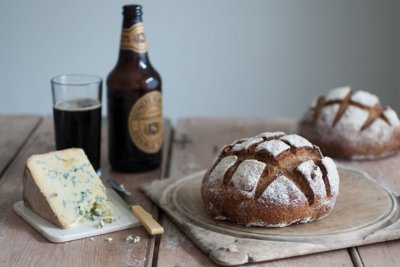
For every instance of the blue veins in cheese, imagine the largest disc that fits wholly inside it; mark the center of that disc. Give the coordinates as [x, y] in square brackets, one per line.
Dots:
[63, 188]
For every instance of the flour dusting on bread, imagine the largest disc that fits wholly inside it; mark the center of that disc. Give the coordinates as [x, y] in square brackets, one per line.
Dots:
[247, 175]
[273, 147]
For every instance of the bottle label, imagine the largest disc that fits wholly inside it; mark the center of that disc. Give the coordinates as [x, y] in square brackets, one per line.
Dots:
[146, 122]
[134, 38]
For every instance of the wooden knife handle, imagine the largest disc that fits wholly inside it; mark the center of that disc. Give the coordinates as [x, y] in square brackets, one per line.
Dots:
[151, 225]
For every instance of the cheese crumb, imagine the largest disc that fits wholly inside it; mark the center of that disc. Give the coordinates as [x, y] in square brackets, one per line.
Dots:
[131, 239]
[123, 189]
[101, 224]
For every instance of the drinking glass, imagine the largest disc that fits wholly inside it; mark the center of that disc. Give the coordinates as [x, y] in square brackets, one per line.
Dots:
[77, 114]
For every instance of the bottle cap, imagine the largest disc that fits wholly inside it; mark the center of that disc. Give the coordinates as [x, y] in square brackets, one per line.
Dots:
[132, 10]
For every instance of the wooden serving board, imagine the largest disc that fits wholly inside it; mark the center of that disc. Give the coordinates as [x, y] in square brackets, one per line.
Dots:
[365, 213]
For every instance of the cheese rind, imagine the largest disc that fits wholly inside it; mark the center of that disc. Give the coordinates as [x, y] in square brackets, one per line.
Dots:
[63, 187]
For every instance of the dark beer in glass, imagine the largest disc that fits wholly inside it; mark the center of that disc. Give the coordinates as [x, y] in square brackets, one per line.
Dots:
[77, 114]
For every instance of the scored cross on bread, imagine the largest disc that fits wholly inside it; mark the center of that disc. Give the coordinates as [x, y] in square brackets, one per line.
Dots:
[272, 179]
[351, 125]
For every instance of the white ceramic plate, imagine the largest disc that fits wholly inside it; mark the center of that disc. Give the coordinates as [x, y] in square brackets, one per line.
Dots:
[124, 220]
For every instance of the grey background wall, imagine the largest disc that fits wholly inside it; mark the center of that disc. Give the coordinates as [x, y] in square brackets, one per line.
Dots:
[217, 58]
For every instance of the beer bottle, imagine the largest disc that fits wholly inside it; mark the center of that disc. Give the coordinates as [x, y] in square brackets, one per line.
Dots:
[134, 101]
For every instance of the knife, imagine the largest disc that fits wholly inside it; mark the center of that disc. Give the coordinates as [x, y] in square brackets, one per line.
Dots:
[145, 218]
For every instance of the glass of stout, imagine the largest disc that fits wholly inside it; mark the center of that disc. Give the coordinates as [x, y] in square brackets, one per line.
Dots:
[77, 114]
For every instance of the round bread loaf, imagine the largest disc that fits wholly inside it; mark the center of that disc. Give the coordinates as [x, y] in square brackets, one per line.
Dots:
[270, 180]
[351, 125]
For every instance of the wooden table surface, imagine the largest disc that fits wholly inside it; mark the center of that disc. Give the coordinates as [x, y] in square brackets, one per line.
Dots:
[189, 147]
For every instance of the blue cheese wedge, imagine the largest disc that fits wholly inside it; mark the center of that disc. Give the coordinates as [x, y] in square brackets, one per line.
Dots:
[63, 188]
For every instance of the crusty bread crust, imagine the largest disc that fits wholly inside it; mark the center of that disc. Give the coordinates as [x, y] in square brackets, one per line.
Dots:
[271, 180]
[351, 125]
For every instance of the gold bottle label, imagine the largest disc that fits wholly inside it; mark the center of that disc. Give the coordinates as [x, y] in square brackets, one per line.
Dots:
[134, 38]
[145, 122]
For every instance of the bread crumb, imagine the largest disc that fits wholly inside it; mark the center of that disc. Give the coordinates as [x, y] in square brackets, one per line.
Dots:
[108, 239]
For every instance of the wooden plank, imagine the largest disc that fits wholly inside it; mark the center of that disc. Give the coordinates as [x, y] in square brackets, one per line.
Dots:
[196, 142]
[21, 245]
[14, 131]
[382, 254]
